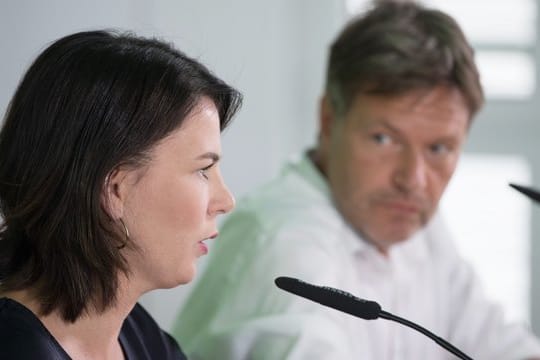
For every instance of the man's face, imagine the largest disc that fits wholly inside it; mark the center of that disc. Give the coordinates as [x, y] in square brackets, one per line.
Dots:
[389, 159]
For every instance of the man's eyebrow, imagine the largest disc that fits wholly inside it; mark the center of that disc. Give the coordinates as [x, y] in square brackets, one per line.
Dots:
[383, 122]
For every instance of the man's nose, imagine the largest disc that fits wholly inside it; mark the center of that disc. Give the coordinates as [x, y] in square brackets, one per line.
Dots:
[411, 172]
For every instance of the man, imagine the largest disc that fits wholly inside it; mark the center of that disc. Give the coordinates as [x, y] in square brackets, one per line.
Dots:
[357, 213]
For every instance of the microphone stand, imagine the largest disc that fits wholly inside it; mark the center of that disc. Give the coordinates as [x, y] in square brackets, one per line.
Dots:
[445, 344]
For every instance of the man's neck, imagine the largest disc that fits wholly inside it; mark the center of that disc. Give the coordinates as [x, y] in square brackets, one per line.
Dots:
[315, 157]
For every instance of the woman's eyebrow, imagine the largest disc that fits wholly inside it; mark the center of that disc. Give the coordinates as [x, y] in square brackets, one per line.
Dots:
[209, 155]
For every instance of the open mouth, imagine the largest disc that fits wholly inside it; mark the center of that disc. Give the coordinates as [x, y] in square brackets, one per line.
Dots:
[204, 247]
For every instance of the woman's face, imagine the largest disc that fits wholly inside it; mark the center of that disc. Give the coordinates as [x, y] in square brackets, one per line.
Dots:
[170, 205]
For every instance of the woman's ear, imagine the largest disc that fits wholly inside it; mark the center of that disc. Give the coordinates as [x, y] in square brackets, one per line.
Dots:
[114, 192]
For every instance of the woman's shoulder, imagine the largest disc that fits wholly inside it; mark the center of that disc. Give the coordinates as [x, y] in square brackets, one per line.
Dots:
[141, 335]
[23, 336]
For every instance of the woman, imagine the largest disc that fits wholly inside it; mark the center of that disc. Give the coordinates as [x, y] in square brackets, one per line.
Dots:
[109, 184]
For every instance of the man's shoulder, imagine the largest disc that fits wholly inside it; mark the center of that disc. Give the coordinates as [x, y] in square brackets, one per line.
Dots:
[285, 202]
[297, 183]
[272, 217]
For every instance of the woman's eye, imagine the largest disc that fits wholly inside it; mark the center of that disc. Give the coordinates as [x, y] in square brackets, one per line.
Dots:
[204, 171]
[382, 138]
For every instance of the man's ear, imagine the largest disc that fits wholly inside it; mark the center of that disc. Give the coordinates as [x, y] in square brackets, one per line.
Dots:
[114, 192]
[326, 118]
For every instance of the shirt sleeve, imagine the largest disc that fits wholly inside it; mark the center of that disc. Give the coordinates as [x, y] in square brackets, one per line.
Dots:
[236, 311]
[478, 325]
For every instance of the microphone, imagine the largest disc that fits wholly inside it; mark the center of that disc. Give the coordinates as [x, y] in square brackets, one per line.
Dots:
[350, 304]
[528, 191]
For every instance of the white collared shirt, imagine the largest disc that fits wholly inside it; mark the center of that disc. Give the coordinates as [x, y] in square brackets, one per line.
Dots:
[290, 228]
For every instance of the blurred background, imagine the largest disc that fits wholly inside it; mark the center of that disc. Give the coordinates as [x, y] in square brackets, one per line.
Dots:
[275, 51]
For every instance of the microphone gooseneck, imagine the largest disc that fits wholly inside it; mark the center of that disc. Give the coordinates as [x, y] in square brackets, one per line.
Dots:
[445, 344]
[350, 304]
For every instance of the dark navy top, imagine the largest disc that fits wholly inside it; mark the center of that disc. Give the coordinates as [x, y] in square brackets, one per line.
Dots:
[24, 337]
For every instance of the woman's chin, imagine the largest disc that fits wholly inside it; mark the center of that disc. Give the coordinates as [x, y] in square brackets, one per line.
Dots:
[185, 276]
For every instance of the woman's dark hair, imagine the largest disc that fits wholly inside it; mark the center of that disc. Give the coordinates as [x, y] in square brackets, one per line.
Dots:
[397, 47]
[90, 103]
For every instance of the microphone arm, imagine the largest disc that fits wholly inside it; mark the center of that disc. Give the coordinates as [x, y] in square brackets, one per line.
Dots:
[445, 344]
[364, 309]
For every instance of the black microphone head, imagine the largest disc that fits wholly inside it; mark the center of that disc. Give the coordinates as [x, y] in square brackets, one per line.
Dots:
[334, 298]
[530, 192]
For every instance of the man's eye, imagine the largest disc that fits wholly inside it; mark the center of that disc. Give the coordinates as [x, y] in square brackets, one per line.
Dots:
[439, 149]
[382, 138]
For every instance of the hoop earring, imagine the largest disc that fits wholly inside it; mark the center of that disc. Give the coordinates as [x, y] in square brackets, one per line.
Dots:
[126, 232]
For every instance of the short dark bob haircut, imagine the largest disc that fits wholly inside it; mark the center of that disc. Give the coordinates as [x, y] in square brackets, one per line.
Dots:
[90, 103]
[397, 47]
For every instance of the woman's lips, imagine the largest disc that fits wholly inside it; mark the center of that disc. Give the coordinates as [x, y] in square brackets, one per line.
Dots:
[203, 247]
